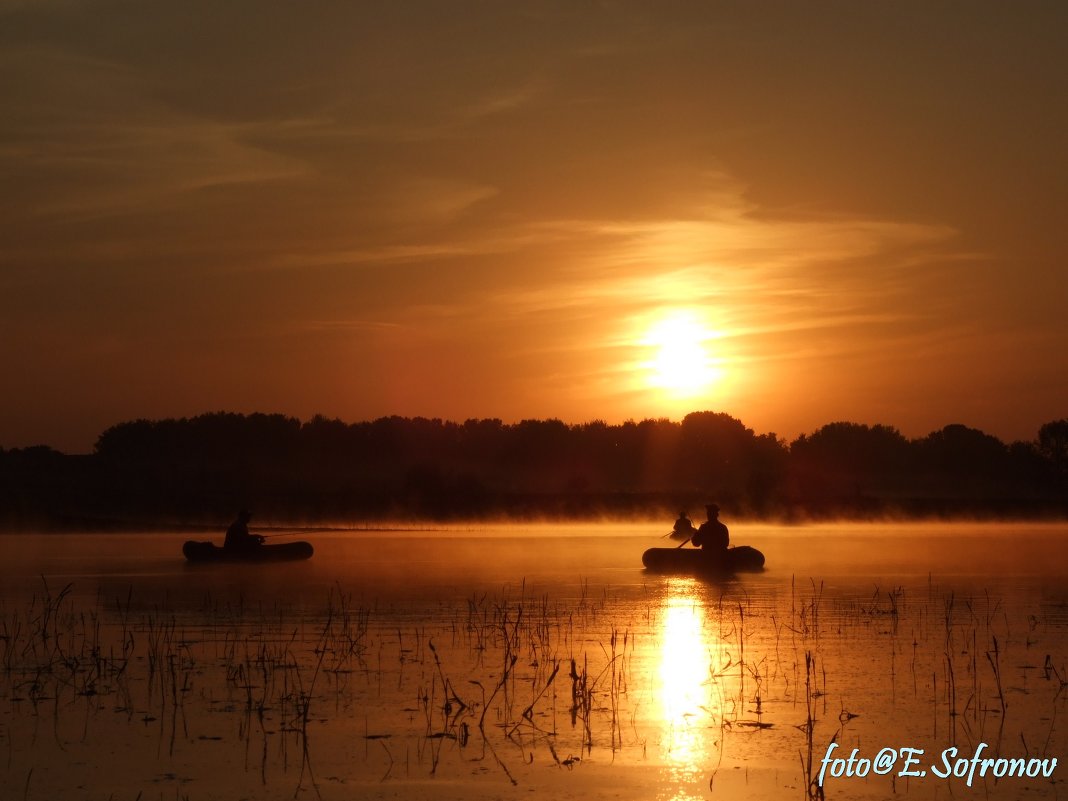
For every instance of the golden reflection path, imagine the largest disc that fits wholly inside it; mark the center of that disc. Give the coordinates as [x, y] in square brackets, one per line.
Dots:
[687, 708]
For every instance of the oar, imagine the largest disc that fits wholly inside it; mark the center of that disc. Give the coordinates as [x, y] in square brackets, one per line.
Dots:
[684, 541]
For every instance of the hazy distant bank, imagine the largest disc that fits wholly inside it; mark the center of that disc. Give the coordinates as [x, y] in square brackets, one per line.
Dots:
[196, 472]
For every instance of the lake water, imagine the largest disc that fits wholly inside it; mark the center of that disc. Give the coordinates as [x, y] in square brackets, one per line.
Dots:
[498, 662]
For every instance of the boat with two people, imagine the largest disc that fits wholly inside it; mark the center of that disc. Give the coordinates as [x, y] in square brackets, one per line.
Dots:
[712, 552]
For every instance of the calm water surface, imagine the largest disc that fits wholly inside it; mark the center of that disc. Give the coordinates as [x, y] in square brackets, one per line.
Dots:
[541, 661]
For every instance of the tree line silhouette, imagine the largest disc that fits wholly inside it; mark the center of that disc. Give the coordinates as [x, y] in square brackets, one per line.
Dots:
[199, 470]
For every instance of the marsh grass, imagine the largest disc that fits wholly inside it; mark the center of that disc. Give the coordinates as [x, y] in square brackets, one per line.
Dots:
[502, 685]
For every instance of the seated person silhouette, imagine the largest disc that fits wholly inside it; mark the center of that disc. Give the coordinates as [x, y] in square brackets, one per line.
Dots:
[713, 534]
[238, 537]
[683, 526]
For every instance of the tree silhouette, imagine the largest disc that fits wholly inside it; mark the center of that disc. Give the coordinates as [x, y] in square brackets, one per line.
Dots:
[1053, 443]
[200, 469]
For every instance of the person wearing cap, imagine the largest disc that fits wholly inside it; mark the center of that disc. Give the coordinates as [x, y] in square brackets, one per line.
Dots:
[713, 534]
[238, 537]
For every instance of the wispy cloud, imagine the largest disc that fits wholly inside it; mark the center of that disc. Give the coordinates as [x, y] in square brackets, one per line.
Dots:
[734, 262]
[102, 145]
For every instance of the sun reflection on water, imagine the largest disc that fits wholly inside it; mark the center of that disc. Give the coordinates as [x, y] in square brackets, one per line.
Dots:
[685, 689]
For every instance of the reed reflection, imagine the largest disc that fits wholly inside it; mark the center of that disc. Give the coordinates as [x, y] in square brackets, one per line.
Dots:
[685, 689]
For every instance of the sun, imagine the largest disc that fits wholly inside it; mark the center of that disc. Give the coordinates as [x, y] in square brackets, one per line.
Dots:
[680, 363]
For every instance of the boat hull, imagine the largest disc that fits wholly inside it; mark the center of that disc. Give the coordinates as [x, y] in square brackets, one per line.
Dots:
[696, 560]
[282, 552]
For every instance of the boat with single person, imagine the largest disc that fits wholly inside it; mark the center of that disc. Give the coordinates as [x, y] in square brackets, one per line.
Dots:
[742, 558]
[280, 552]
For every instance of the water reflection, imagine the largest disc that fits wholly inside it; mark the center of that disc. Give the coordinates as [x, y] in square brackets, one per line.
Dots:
[685, 689]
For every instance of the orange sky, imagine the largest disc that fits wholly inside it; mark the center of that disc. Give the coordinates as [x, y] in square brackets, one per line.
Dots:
[486, 210]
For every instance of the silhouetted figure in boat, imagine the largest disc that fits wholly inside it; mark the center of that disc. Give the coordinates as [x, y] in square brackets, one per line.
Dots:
[713, 534]
[683, 526]
[238, 537]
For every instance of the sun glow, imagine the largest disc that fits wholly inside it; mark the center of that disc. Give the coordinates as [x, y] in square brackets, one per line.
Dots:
[681, 363]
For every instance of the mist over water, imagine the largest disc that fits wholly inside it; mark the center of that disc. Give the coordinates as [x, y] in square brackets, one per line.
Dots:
[467, 556]
[444, 561]
[623, 683]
